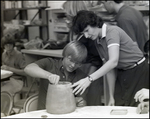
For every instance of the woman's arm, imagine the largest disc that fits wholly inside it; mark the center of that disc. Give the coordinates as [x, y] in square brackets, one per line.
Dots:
[35, 71]
[82, 84]
[111, 79]
[113, 53]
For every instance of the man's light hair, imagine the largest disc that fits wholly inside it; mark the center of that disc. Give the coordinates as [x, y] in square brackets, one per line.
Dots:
[76, 50]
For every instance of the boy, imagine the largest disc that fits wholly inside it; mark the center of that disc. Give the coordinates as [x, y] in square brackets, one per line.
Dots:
[65, 69]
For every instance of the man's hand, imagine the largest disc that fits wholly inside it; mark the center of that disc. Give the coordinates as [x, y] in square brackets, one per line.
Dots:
[54, 79]
[141, 95]
[81, 86]
[143, 107]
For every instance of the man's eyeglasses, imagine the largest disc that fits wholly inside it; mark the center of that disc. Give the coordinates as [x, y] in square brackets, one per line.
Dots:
[76, 63]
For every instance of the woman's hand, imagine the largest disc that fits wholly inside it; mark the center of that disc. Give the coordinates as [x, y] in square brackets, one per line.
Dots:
[141, 95]
[54, 79]
[81, 85]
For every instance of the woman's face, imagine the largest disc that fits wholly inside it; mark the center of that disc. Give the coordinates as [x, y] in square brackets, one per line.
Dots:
[69, 64]
[91, 32]
[9, 47]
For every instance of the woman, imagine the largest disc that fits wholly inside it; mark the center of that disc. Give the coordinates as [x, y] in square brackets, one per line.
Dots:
[93, 61]
[120, 52]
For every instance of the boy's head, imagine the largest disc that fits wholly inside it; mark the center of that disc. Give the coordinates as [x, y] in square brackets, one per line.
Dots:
[74, 54]
[7, 40]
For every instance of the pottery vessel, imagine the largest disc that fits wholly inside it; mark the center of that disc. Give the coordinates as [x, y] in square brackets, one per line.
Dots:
[60, 99]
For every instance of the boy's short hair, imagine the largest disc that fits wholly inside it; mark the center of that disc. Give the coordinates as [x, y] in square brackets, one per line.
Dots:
[7, 39]
[76, 50]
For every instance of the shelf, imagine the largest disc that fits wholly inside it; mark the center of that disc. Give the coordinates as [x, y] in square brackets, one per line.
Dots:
[35, 25]
[45, 52]
[137, 7]
[10, 9]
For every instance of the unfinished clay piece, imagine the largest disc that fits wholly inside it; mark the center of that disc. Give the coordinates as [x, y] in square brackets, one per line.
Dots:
[60, 99]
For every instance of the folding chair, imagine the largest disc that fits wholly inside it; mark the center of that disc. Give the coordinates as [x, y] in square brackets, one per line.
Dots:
[31, 103]
[20, 103]
[6, 103]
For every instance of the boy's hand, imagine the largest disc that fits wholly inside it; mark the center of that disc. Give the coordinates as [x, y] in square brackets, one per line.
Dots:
[80, 102]
[54, 79]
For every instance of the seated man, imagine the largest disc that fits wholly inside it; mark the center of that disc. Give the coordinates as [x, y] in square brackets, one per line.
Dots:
[12, 60]
[65, 69]
[141, 96]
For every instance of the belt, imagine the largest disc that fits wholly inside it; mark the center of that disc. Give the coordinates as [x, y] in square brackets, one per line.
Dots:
[136, 64]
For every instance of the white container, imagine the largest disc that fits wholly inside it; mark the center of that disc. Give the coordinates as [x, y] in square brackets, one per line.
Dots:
[19, 4]
[7, 4]
[28, 4]
[55, 4]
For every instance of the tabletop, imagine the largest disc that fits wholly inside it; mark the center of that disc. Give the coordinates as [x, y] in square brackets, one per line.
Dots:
[5, 74]
[85, 112]
[45, 52]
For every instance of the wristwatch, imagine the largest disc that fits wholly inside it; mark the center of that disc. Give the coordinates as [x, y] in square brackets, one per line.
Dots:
[90, 79]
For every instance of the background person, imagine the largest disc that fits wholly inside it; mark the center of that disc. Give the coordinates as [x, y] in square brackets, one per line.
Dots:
[130, 20]
[143, 107]
[142, 96]
[12, 60]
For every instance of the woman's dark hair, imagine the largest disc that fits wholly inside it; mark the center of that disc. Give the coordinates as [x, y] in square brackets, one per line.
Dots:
[7, 39]
[85, 18]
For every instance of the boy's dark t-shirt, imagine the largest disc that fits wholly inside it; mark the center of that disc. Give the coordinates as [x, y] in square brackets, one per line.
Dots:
[55, 66]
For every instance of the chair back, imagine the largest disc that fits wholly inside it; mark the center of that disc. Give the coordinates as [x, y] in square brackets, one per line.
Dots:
[31, 103]
[6, 103]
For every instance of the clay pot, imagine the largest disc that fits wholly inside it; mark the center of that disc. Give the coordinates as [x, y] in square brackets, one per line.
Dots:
[60, 99]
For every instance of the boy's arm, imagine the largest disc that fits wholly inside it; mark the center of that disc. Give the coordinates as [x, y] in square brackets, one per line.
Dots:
[35, 71]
